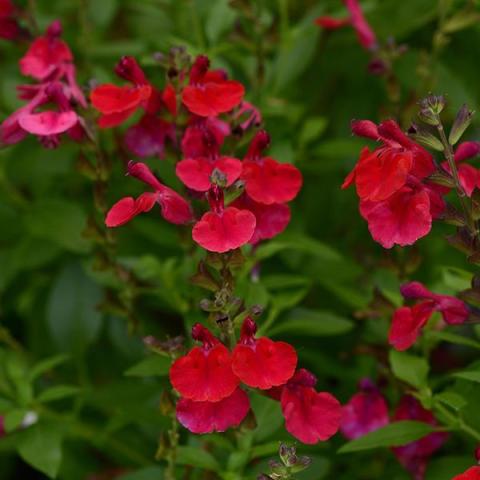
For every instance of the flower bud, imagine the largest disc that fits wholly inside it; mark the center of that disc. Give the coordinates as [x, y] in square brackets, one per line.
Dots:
[430, 109]
[477, 454]
[301, 464]
[443, 178]
[218, 178]
[424, 137]
[461, 123]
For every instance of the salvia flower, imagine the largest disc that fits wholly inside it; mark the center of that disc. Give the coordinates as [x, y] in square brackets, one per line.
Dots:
[473, 473]
[9, 28]
[415, 455]
[175, 209]
[310, 416]
[395, 199]
[209, 92]
[365, 412]
[408, 322]
[116, 104]
[223, 228]
[366, 36]
[261, 362]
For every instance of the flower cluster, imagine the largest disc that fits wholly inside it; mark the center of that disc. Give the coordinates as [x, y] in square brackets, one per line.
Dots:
[396, 198]
[367, 411]
[208, 379]
[257, 187]
[51, 102]
[408, 321]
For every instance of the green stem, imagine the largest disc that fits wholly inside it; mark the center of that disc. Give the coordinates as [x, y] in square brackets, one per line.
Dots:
[457, 423]
[449, 155]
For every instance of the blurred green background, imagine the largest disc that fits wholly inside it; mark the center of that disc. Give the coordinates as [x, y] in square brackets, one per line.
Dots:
[314, 279]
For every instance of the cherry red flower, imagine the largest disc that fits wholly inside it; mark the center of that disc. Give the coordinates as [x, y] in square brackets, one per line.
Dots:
[473, 473]
[204, 137]
[309, 416]
[209, 93]
[208, 417]
[261, 362]
[9, 28]
[415, 455]
[205, 373]
[223, 229]
[365, 412]
[332, 23]
[266, 180]
[116, 104]
[270, 219]
[174, 208]
[408, 322]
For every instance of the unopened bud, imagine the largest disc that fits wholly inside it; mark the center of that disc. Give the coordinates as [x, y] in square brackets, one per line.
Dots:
[277, 468]
[301, 464]
[424, 137]
[477, 454]
[461, 123]
[430, 109]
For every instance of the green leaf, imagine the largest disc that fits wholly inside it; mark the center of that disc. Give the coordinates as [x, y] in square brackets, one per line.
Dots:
[59, 221]
[220, 19]
[47, 365]
[471, 376]
[312, 129]
[13, 419]
[41, 447]
[102, 13]
[452, 399]
[393, 435]
[453, 338]
[409, 368]
[302, 321]
[72, 314]
[58, 392]
[268, 415]
[149, 473]
[197, 457]
[155, 365]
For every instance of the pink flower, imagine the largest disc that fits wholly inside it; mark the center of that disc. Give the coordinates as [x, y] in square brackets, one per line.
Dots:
[407, 322]
[309, 416]
[415, 455]
[174, 208]
[208, 417]
[261, 362]
[365, 34]
[266, 180]
[47, 125]
[365, 412]
[209, 92]
[223, 228]
[46, 54]
[9, 28]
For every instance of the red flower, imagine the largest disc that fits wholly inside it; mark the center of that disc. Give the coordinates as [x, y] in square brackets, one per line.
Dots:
[414, 456]
[204, 136]
[208, 417]
[46, 54]
[266, 180]
[118, 103]
[205, 373]
[473, 473]
[453, 310]
[309, 416]
[9, 29]
[175, 209]
[223, 229]
[331, 23]
[365, 412]
[209, 92]
[270, 219]
[407, 324]
[262, 363]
